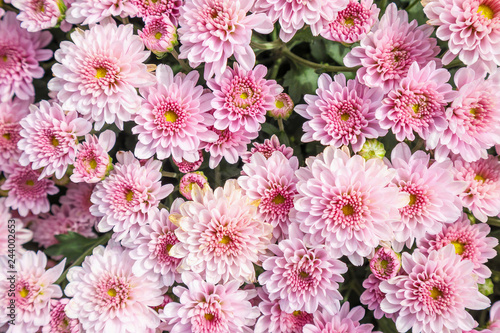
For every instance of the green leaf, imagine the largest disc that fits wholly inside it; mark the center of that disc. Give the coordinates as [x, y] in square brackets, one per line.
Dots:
[71, 245]
[300, 81]
[336, 51]
[386, 325]
[269, 129]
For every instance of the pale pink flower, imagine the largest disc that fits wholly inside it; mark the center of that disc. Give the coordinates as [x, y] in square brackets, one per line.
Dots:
[417, 103]
[242, 97]
[59, 321]
[302, 278]
[346, 320]
[94, 11]
[185, 166]
[352, 23]
[189, 180]
[474, 117]
[283, 107]
[50, 138]
[205, 307]
[151, 248]
[128, 196]
[9, 229]
[36, 15]
[148, 9]
[267, 148]
[174, 117]
[482, 194]
[106, 296]
[385, 263]
[470, 242]
[78, 198]
[372, 297]
[159, 35]
[20, 52]
[494, 323]
[27, 192]
[220, 235]
[342, 112]
[387, 52]
[213, 30]
[270, 182]
[274, 319]
[344, 203]
[434, 293]
[11, 113]
[98, 72]
[33, 290]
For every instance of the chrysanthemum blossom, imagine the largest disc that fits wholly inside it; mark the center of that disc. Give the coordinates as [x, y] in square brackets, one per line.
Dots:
[94, 11]
[220, 234]
[106, 296]
[14, 229]
[372, 149]
[274, 319]
[294, 14]
[78, 198]
[344, 203]
[352, 23]
[434, 293]
[267, 148]
[159, 35]
[471, 27]
[346, 320]
[434, 195]
[33, 290]
[11, 113]
[213, 30]
[98, 72]
[242, 98]
[385, 263]
[148, 9]
[470, 242]
[372, 297]
[50, 138]
[92, 159]
[204, 307]
[36, 15]
[59, 321]
[174, 117]
[270, 183]
[130, 194]
[342, 112]
[387, 52]
[302, 279]
[27, 192]
[481, 196]
[189, 180]
[151, 249]
[417, 103]
[20, 52]
[283, 107]
[473, 117]
[185, 166]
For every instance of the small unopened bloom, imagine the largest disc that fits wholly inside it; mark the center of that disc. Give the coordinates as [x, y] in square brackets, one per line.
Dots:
[283, 107]
[372, 149]
[189, 180]
[159, 35]
[386, 263]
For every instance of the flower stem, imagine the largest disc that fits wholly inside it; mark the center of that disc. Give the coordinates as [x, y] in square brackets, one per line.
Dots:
[169, 174]
[323, 67]
[454, 63]
[280, 125]
[183, 64]
[217, 176]
[267, 46]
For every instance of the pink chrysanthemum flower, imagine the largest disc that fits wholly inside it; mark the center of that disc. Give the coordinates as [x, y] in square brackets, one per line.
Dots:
[185, 166]
[205, 307]
[341, 112]
[128, 196]
[59, 321]
[387, 52]
[471, 27]
[267, 148]
[50, 138]
[417, 103]
[34, 289]
[11, 113]
[345, 320]
[386, 263]
[270, 182]
[351, 24]
[94, 11]
[494, 322]
[151, 249]
[189, 180]
[20, 52]
[108, 297]
[22, 235]
[36, 15]
[99, 71]
[220, 234]
[344, 203]
[434, 294]
[148, 9]
[474, 117]
[28, 193]
[294, 14]
[300, 278]
[470, 241]
[159, 35]
[174, 118]
[78, 198]
[283, 107]
[92, 159]
[372, 297]
[434, 195]
[242, 98]
[230, 145]
[274, 319]
[482, 193]
[213, 30]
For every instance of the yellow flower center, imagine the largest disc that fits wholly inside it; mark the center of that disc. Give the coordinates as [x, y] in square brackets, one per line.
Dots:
[413, 199]
[473, 111]
[93, 164]
[347, 210]
[167, 248]
[100, 73]
[158, 35]
[6, 136]
[209, 316]
[415, 108]
[297, 313]
[435, 293]
[459, 247]
[345, 117]
[170, 116]
[4, 58]
[303, 275]
[486, 11]
[112, 292]
[225, 240]
[23, 292]
[279, 199]
[349, 22]
[279, 104]
[129, 196]
[55, 142]
[479, 178]
[244, 96]
[383, 264]
[30, 182]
